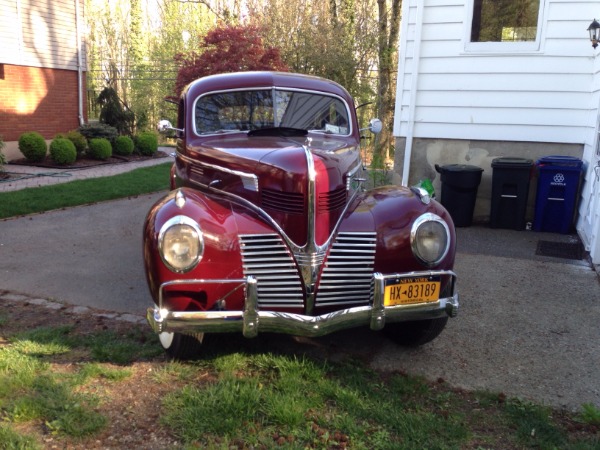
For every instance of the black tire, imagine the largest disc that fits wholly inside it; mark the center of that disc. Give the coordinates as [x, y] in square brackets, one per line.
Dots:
[415, 333]
[181, 346]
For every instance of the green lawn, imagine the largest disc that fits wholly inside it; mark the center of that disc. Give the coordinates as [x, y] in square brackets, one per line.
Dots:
[81, 192]
[68, 379]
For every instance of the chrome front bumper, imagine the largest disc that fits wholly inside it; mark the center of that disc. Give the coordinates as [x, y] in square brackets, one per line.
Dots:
[251, 320]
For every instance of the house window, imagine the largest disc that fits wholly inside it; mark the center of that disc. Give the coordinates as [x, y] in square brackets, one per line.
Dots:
[505, 20]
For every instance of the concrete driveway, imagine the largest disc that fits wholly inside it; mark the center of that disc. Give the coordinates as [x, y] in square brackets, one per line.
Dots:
[528, 326]
[89, 255]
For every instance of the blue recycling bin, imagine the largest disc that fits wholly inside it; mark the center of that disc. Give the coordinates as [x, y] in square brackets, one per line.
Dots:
[557, 190]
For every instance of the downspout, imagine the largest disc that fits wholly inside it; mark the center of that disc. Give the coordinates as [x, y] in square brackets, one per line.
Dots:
[413, 91]
[79, 63]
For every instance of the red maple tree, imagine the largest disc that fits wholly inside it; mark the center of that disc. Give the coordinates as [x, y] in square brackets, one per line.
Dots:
[227, 49]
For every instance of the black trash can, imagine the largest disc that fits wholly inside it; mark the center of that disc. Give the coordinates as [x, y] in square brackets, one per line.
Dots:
[510, 191]
[459, 191]
[557, 191]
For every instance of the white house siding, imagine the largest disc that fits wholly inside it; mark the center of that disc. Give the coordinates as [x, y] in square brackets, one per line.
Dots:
[459, 102]
[40, 33]
[588, 225]
[539, 96]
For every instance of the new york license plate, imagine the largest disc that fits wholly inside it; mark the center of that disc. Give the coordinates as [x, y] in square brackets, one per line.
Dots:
[408, 291]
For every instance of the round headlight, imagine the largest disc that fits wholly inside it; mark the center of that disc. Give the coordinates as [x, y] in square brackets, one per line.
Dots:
[430, 239]
[181, 244]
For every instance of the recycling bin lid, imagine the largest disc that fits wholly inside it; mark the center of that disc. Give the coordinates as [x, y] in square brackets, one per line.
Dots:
[559, 160]
[457, 168]
[511, 162]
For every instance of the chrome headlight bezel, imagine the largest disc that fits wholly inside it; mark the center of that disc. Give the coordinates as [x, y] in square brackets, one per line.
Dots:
[442, 233]
[178, 224]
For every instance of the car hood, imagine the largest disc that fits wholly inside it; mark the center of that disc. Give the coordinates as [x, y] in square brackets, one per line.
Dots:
[280, 162]
[282, 167]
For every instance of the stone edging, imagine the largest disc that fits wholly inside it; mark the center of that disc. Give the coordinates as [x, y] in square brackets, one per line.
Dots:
[15, 297]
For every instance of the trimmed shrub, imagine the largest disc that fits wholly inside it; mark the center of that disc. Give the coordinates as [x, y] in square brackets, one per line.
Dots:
[2, 157]
[33, 146]
[123, 146]
[62, 151]
[98, 130]
[99, 148]
[78, 140]
[146, 143]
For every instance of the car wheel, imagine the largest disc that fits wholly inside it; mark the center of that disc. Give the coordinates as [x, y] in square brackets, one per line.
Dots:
[181, 346]
[415, 333]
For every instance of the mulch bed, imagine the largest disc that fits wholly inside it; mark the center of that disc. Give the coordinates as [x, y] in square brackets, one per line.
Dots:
[83, 163]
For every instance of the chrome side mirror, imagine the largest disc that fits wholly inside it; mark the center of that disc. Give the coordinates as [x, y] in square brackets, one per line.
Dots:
[164, 127]
[374, 127]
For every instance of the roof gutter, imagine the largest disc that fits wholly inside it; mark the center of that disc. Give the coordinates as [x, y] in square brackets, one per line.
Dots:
[79, 64]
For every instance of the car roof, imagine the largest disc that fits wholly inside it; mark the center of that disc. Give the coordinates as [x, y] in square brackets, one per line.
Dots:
[243, 80]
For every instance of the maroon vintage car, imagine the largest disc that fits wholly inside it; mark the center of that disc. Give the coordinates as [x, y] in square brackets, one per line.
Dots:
[268, 226]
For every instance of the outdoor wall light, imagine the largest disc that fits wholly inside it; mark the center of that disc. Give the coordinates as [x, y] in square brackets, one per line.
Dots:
[594, 30]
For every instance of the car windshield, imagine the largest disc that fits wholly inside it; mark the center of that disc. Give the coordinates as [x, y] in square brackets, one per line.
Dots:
[226, 112]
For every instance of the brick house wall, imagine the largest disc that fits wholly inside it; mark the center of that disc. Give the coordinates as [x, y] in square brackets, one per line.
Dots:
[42, 58]
[38, 99]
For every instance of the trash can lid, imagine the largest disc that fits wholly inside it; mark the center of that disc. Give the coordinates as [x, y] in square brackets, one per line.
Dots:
[507, 162]
[458, 168]
[559, 160]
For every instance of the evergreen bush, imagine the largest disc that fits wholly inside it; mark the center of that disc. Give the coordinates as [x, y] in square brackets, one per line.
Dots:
[123, 146]
[62, 151]
[114, 112]
[33, 146]
[146, 143]
[98, 130]
[99, 148]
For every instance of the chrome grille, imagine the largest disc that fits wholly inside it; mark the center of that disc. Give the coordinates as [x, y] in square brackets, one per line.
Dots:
[347, 277]
[196, 173]
[266, 257]
[286, 202]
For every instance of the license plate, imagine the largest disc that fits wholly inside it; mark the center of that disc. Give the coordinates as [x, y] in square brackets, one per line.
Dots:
[408, 291]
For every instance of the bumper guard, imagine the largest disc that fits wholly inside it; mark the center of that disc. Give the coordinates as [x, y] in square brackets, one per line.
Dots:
[251, 319]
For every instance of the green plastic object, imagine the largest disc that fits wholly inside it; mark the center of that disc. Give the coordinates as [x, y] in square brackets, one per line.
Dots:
[428, 186]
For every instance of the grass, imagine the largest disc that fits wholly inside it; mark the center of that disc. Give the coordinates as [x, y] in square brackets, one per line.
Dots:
[248, 398]
[80, 192]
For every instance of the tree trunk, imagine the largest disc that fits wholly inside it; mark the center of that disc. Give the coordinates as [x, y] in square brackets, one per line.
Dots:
[389, 28]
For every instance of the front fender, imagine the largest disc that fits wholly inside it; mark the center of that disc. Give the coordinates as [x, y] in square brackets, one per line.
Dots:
[392, 210]
[221, 256]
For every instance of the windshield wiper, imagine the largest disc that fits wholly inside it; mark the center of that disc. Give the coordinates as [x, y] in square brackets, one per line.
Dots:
[278, 131]
[222, 131]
